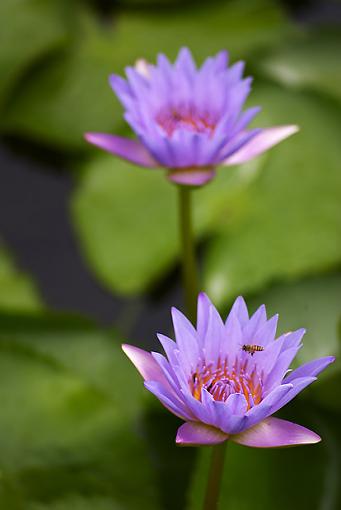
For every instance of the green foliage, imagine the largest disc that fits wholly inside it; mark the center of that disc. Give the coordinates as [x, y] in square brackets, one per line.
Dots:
[69, 405]
[310, 62]
[291, 221]
[71, 95]
[241, 26]
[30, 29]
[126, 218]
[17, 292]
[75, 432]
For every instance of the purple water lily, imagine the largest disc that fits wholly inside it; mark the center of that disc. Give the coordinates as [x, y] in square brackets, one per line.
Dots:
[188, 120]
[227, 379]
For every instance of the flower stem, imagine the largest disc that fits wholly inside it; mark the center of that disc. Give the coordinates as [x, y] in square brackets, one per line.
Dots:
[214, 477]
[189, 268]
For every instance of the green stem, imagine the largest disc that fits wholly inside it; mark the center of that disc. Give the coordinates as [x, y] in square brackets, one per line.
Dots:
[215, 477]
[189, 269]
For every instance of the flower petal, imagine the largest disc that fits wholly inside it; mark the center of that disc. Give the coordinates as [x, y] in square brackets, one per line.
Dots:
[145, 364]
[311, 369]
[198, 434]
[169, 400]
[191, 176]
[263, 141]
[125, 148]
[186, 338]
[298, 385]
[276, 433]
[204, 305]
[239, 309]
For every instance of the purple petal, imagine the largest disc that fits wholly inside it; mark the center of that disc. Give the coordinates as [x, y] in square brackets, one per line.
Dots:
[221, 60]
[215, 338]
[265, 334]
[170, 348]
[130, 150]
[230, 415]
[258, 413]
[263, 141]
[198, 434]
[257, 321]
[311, 369]
[280, 368]
[185, 63]
[186, 339]
[298, 385]
[276, 433]
[169, 373]
[172, 403]
[191, 176]
[145, 364]
[239, 309]
[204, 305]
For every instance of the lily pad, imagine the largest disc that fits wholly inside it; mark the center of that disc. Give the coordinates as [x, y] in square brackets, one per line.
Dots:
[30, 29]
[71, 95]
[310, 62]
[291, 221]
[17, 291]
[68, 422]
[127, 219]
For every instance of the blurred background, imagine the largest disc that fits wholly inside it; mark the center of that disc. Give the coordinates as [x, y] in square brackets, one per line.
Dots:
[89, 251]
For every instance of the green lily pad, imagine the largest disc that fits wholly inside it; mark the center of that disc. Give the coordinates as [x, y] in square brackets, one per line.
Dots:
[17, 291]
[69, 413]
[241, 26]
[71, 95]
[291, 221]
[127, 219]
[30, 29]
[310, 62]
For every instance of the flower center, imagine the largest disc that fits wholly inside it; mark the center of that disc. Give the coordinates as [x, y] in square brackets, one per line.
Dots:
[221, 381]
[184, 118]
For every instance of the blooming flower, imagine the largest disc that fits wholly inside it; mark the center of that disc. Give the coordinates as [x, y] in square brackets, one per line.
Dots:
[188, 119]
[227, 379]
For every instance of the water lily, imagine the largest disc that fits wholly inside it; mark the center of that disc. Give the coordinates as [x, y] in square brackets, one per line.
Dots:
[188, 120]
[227, 379]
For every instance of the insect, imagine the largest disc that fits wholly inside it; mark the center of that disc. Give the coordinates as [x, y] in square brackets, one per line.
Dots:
[251, 349]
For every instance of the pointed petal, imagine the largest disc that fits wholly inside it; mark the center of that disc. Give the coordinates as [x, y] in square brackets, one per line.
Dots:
[280, 368]
[125, 148]
[311, 369]
[298, 385]
[203, 313]
[191, 177]
[230, 415]
[215, 338]
[276, 433]
[239, 309]
[221, 60]
[263, 141]
[266, 408]
[173, 404]
[198, 434]
[186, 339]
[170, 348]
[145, 363]
[257, 321]
[185, 62]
